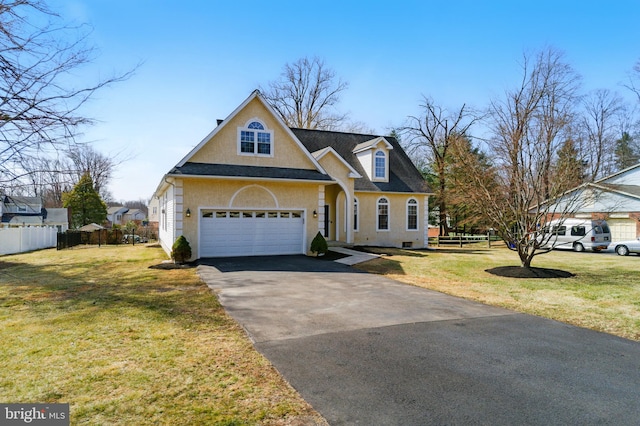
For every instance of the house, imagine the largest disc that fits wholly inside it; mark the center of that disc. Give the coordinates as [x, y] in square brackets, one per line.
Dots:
[115, 215]
[134, 215]
[254, 186]
[615, 198]
[18, 211]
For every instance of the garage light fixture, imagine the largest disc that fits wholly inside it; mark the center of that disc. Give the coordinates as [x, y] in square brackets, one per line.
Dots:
[315, 213]
[188, 213]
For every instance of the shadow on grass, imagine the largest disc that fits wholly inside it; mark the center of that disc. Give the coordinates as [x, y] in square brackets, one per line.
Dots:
[520, 272]
[90, 292]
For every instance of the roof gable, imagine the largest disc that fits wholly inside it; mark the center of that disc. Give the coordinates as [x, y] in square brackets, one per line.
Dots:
[403, 175]
[372, 144]
[628, 176]
[220, 146]
[332, 152]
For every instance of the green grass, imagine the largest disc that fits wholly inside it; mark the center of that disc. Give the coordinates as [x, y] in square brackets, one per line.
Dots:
[125, 344]
[603, 295]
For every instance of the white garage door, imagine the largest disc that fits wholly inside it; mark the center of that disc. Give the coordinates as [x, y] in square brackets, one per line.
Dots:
[226, 233]
[622, 229]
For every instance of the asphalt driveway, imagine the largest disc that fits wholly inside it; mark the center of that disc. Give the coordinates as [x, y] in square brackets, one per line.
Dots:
[363, 349]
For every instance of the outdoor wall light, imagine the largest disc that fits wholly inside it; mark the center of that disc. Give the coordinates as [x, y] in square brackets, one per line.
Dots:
[188, 213]
[315, 213]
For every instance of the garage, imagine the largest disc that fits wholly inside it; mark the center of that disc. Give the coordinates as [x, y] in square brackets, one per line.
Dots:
[622, 229]
[225, 233]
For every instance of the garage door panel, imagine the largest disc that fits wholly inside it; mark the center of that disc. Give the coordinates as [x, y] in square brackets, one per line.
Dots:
[622, 229]
[250, 233]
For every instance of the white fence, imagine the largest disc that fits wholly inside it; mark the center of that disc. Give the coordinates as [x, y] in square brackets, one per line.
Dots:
[19, 240]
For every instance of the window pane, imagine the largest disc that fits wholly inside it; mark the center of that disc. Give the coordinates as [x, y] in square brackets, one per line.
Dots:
[247, 141]
[247, 214]
[380, 164]
[284, 215]
[264, 143]
[221, 215]
[412, 215]
[260, 214]
[234, 215]
[272, 215]
[207, 213]
[383, 214]
[255, 125]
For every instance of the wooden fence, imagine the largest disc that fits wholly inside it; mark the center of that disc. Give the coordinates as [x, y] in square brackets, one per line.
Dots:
[461, 240]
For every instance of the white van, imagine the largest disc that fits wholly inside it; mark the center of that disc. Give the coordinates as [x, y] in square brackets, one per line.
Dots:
[578, 234]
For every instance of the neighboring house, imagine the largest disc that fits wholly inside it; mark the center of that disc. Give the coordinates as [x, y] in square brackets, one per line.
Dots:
[615, 198]
[154, 210]
[254, 186]
[134, 215]
[115, 215]
[29, 211]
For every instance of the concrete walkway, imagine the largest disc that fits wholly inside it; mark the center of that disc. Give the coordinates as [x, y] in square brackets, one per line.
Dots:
[353, 256]
[363, 349]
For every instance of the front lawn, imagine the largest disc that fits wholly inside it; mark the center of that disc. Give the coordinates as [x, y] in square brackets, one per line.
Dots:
[603, 295]
[129, 345]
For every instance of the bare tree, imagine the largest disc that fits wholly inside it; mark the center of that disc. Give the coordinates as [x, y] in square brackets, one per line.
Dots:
[100, 167]
[600, 123]
[39, 104]
[306, 94]
[634, 80]
[529, 128]
[431, 136]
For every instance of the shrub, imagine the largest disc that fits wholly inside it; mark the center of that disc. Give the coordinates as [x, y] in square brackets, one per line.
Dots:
[319, 245]
[181, 250]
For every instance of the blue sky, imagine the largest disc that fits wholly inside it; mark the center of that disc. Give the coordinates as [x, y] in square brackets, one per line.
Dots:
[201, 59]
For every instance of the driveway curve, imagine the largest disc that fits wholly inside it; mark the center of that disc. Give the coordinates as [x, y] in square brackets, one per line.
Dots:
[363, 349]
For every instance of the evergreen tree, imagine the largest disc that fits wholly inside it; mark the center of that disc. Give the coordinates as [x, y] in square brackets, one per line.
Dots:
[85, 204]
[570, 170]
[626, 152]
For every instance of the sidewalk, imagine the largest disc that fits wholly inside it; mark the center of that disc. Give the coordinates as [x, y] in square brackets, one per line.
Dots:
[354, 256]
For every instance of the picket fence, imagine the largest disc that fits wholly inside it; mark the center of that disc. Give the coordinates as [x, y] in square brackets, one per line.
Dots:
[20, 240]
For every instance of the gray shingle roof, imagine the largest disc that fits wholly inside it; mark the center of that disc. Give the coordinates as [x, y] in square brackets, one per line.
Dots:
[232, 170]
[403, 175]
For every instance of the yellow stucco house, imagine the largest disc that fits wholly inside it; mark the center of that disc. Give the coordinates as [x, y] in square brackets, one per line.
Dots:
[254, 186]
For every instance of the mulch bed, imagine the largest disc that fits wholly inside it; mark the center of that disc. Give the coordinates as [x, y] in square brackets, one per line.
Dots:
[520, 272]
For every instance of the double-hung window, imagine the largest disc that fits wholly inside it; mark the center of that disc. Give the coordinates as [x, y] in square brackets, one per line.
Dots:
[383, 214]
[255, 139]
[412, 215]
[380, 165]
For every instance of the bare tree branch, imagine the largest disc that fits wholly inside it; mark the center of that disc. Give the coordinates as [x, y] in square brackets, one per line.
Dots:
[306, 95]
[39, 105]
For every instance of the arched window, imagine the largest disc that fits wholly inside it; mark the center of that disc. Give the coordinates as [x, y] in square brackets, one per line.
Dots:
[383, 214]
[380, 165]
[412, 215]
[255, 139]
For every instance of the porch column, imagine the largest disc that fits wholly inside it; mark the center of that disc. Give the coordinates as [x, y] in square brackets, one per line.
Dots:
[320, 209]
[349, 217]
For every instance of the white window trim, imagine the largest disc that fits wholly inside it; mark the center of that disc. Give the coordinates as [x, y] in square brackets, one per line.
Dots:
[378, 204]
[246, 128]
[375, 178]
[417, 215]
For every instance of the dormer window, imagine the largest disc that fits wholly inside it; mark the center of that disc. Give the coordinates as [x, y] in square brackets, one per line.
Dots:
[381, 165]
[255, 139]
[374, 158]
